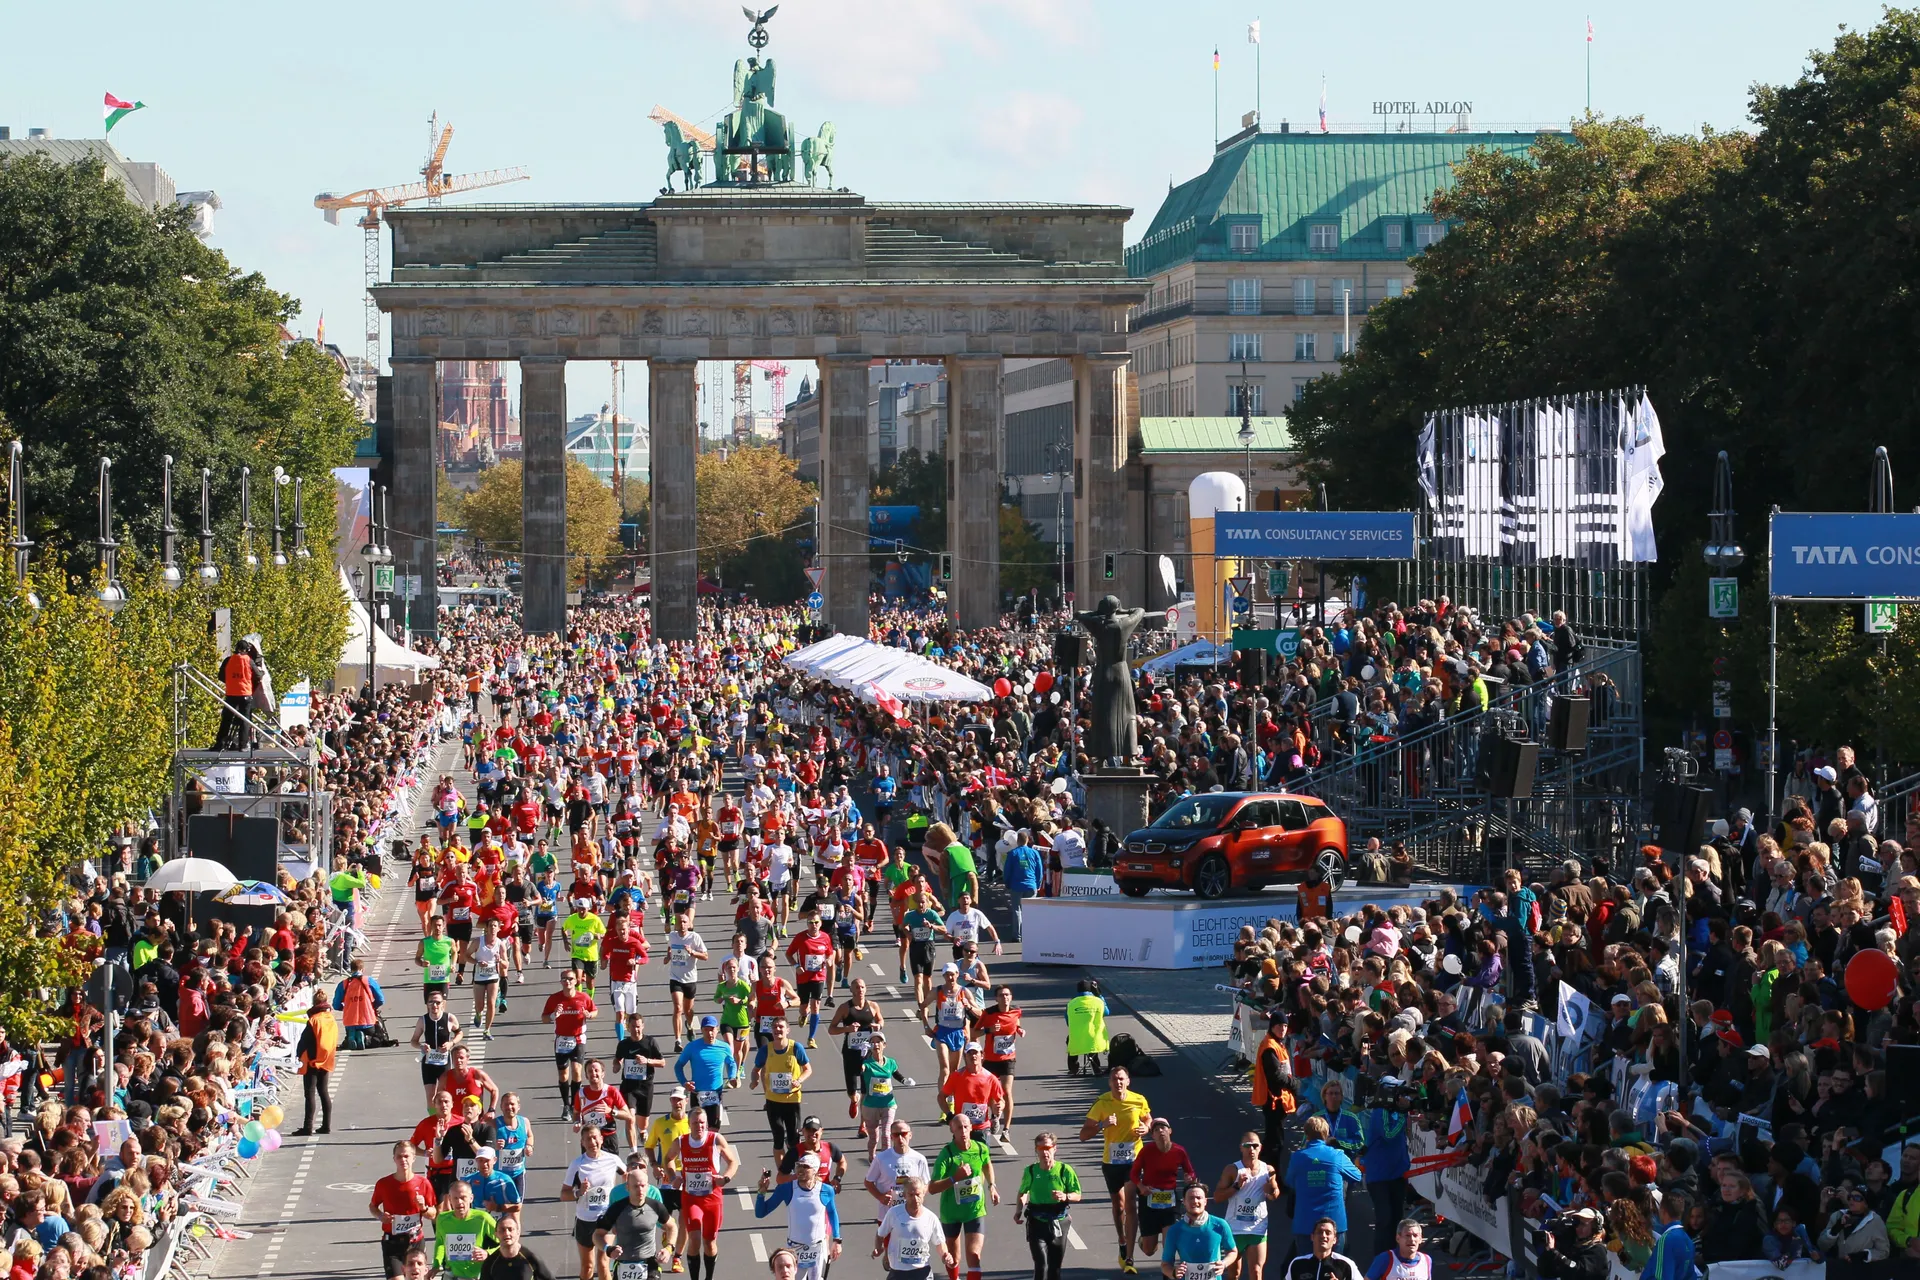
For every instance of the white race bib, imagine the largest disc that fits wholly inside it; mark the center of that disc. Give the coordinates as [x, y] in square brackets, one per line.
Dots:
[699, 1182]
[709, 1097]
[913, 1254]
[780, 1082]
[766, 1024]
[1122, 1154]
[403, 1224]
[437, 1057]
[813, 963]
[462, 1246]
[634, 1069]
[860, 1041]
[565, 1044]
[437, 973]
[631, 1271]
[595, 1199]
[512, 1159]
[1003, 1046]
[463, 1168]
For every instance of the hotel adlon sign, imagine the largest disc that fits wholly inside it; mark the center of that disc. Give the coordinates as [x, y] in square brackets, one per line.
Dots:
[1416, 107]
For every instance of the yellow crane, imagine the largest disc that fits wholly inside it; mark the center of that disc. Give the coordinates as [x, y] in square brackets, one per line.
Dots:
[702, 138]
[434, 183]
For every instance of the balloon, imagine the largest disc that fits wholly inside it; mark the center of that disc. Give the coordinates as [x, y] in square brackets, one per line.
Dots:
[272, 1141]
[1054, 697]
[1043, 682]
[373, 879]
[272, 1116]
[248, 1148]
[253, 1131]
[1871, 978]
[1002, 687]
[1451, 964]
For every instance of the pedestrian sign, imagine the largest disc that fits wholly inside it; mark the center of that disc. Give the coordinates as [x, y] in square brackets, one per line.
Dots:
[1280, 580]
[816, 575]
[816, 600]
[1723, 597]
[1883, 617]
[383, 577]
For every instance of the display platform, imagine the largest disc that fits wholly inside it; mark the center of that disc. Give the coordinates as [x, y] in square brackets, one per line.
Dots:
[1167, 930]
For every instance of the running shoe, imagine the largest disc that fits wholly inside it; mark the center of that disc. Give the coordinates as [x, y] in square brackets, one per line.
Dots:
[1126, 1266]
[853, 1111]
[815, 1044]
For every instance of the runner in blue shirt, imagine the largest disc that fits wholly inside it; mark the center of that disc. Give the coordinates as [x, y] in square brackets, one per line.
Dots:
[705, 1066]
[1199, 1244]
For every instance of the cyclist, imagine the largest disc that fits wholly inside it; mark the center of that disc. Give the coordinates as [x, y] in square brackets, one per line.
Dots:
[963, 1175]
[1120, 1118]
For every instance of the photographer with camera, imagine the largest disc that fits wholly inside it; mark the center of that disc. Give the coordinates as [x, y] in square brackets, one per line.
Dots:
[1573, 1246]
[1854, 1232]
[1386, 1158]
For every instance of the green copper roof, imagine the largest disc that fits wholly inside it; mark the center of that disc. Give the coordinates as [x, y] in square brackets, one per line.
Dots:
[1212, 435]
[1291, 181]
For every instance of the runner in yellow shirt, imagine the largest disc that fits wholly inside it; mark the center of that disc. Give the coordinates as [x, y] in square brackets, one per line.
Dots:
[1120, 1118]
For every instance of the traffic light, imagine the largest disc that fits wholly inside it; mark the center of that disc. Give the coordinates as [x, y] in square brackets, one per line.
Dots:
[1107, 561]
[899, 547]
[946, 566]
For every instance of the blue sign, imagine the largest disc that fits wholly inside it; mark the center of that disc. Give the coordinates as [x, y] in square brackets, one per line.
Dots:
[891, 521]
[1314, 535]
[816, 600]
[1845, 557]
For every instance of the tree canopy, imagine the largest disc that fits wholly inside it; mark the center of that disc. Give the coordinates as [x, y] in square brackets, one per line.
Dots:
[746, 494]
[593, 521]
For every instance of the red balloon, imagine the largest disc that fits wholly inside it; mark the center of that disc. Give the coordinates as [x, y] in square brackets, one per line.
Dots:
[1002, 687]
[1871, 978]
[1043, 682]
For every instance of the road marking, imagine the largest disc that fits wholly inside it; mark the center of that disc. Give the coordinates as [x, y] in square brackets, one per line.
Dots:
[746, 1201]
[357, 1188]
[892, 994]
[878, 972]
[759, 1247]
[1073, 1238]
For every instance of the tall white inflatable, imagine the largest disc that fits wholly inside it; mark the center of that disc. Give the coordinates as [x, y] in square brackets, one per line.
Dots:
[1210, 494]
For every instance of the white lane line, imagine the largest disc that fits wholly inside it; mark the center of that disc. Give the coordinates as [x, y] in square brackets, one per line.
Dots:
[759, 1247]
[746, 1201]
[878, 972]
[1073, 1238]
[892, 993]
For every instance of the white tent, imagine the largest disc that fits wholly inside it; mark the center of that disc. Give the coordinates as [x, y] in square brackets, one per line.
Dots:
[1201, 651]
[860, 665]
[391, 659]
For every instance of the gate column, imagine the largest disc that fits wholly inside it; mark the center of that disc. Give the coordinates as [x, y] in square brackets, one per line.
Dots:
[674, 432]
[544, 568]
[974, 418]
[1101, 431]
[842, 543]
[414, 517]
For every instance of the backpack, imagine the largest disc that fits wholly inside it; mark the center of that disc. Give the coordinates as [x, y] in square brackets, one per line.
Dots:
[1124, 1051]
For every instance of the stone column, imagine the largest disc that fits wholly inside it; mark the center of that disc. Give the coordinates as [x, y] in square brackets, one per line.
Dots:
[974, 416]
[413, 514]
[1101, 432]
[674, 425]
[544, 568]
[842, 544]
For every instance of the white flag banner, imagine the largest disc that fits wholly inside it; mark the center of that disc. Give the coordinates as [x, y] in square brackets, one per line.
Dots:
[1429, 465]
[1253, 32]
[1481, 514]
[1641, 482]
[1574, 1012]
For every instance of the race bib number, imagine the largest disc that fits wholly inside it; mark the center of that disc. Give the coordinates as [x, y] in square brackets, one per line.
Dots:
[709, 1097]
[976, 1113]
[699, 1182]
[780, 1082]
[403, 1224]
[463, 1168]
[462, 913]
[463, 1246]
[860, 1041]
[594, 1117]
[923, 933]
[485, 973]
[634, 1069]
[632, 1271]
[1159, 1199]
[913, 1254]
[513, 1159]
[565, 1044]
[437, 973]
[437, 1057]
[766, 1024]
[1202, 1270]
[807, 1255]
[1122, 1154]
[595, 1199]
[966, 1190]
[813, 963]
[826, 912]
[883, 1088]
[1003, 1046]
[681, 899]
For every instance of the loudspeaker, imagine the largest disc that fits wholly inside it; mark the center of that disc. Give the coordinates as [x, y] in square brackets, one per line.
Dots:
[248, 847]
[1903, 1077]
[1681, 814]
[1069, 649]
[1507, 766]
[1253, 668]
[1567, 731]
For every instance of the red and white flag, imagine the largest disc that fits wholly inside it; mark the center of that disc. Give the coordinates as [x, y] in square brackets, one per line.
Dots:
[886, 701]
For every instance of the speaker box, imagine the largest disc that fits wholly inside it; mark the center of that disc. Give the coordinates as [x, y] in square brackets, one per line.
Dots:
[1507, 766]
[1567, 731]
[1903, 1077]
[1253, 667]
[1680, 813]
[249, 848]
[1070, 649]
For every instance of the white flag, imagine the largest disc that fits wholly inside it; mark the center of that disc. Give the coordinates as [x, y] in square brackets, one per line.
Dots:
[1574, 1008]
[1641, 482]
[1253, 32]
[1429, 465]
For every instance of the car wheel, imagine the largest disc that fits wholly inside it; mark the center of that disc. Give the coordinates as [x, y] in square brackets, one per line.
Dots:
[1134, 888]
[1332, 867]
[1213, 877]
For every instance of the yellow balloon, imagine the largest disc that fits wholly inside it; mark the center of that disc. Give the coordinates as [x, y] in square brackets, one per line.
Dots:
[374, 880]
[272, 1116]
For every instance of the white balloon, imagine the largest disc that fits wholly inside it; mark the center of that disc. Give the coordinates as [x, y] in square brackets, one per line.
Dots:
[1451, 964]
[1367, 672]
[1353, 933]
[1054, 697]
[1059, 786]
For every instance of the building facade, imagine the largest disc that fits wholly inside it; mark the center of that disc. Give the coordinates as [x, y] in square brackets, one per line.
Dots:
[145, 182]
[473, 401]
[596, 439]
[1262, 269]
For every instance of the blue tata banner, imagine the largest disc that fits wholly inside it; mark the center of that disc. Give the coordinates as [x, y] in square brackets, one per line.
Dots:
[1845, 557]
[891, 522]
[1314, 535]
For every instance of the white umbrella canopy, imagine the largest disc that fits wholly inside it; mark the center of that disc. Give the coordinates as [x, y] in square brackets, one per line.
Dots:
[191, 875]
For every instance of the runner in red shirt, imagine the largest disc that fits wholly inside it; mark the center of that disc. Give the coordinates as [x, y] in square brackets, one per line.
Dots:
[811, 953]
[459, 903]
[426, 1140]
[568, 1009]
[772, 997]
[464, 1080]
[1159, 1171]
[526, 814]
[401, 1200]
[999, 1029]
[974, 1092]
[623, 947]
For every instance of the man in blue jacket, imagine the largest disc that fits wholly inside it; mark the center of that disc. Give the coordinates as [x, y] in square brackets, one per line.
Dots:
[1387, 1161]
[1672, 1256]
[704, 1067]
[1023, 871]
[1316, 1177]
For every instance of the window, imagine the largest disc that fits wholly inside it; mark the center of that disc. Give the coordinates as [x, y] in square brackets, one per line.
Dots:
[1300, 388]
[1323, 237]
[1345, 300]
[1303, 295]
[1304, 346]
[1339, 345]
[1243, 296]
[1428, 234]
[1243, 237]
[1243, 346]
[1395, 234]
[1396, 287]
[1249, 390]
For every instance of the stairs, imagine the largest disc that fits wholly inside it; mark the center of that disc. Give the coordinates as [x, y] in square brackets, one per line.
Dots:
[894, 246]
[629, 252]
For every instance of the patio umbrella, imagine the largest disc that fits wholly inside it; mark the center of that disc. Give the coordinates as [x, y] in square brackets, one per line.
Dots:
[254, 893]
[191, 875]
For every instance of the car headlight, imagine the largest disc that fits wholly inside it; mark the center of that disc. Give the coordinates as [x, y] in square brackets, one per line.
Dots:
[1178, 846]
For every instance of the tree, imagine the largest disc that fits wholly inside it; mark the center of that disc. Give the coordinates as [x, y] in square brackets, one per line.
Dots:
[1025, 561]
[917, 480]
[593, 522]
[751, 492]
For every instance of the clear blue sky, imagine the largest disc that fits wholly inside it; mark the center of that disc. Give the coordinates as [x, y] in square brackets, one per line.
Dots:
[931, 99]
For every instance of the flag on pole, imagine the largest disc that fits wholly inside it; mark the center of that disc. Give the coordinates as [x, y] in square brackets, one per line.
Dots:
[114, 111]
[1589, 30]
[1216, 57]
[1323, 104]
[320, 334]
[1253, 32]
[1462, 1117]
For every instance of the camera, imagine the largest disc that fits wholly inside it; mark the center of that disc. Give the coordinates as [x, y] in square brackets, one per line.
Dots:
[1386, 1093]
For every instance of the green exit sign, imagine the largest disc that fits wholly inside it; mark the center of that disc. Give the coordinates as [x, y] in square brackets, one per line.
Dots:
[383, 578]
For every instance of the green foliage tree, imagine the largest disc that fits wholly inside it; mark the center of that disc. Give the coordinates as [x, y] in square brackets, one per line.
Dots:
[920, 480]
[593, 522]
[750, 493]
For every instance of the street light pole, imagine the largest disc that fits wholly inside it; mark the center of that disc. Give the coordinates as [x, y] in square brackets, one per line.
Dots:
[170, 576]
[112, 596]
[1246, 444]
[19, 543]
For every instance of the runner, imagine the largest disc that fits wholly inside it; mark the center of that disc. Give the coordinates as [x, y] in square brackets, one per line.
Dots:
[513, 1141]
[569, 1010]
[1120, 1118]
[493, 1190]
[707, 1163]
[945, 1015]
[424, 876]
[895, 1163]
[402, 1201]
[911, 1236]
[878, 1075]
[1247, 1187]
[462, 1235]
[972, 1091]
[436, 1034]
[734, 995]
[704, 1068]
[546, 900]
[584, 929]
[854, 1022]
[1160, 1169]
[999, 1031]
[463, 1080]
[1048, 1190]
[918, 925]
[632, 1233]
[588, 1185]
[601, 1106]
[489, 955]
[966, 923]
[811, 953]
[685, 950]
[1199, 1244]
[636, 1058]
[426, 1139]
[625, 948]
[460, 901]
[813, 1217]
[772, 997]
[963, 1175]
[781, 1066]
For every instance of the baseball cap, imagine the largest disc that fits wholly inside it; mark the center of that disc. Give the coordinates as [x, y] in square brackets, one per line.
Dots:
[1589, 1215]
[950, 968]
[812, 1122]
[484, 1153]
[809, 1161]
[1826, 771]
[1621, 998]
[680, 1094]
[709, 1021]
[1759, 1051]
[974, 1047]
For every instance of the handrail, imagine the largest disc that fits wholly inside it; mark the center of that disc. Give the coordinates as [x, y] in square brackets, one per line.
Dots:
[195, 676]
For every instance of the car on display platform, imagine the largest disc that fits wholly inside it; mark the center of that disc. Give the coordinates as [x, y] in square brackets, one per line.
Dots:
[1219, 841]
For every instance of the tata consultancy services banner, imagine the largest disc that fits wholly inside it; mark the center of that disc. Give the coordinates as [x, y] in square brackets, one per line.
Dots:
[1846, 557]
[1314, 535]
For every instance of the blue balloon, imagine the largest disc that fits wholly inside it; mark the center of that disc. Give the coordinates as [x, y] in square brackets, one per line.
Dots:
[249, 1148]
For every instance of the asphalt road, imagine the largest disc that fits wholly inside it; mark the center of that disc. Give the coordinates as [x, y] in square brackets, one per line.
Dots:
[307, 1208]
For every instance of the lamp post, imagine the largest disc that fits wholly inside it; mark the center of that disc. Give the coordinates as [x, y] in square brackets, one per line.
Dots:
[112, 596]
[170, 575]
[280, 478]
[375, 554]
[300, 551]
[208, 572]
[1059, 456]
[247, 558]
[19, 543]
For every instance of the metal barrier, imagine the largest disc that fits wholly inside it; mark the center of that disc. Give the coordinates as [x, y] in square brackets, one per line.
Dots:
[1424, 788]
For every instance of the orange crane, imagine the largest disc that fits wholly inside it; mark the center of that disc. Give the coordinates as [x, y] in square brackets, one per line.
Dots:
[702, 138]
[434, 183]
[776, 373]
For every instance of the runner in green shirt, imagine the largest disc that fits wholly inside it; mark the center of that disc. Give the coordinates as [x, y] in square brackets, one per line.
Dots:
[345, 881]
[963, 875]
[878, 1075]
[963, 1175]
[435, 956]
[542, 860]
[583, 930]
[462, 1234]
[734, 995]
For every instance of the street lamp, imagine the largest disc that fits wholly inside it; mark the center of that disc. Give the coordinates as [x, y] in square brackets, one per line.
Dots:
[112, 596]
[19, 543]
[280, 478]
[376, 554]
[247, 558]
[208, 572]
[1059, 456]
[170, 575]
[300, 551]
[1723, 553]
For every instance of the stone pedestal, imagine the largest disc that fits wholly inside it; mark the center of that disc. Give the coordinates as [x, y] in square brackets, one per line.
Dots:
[842, 541]
[973, 489]
[543, 496]
[1101, 430]
[673, 537]
[1116, 798]
[413, 512]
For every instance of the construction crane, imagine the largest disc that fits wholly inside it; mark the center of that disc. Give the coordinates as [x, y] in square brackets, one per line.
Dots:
[776, 373]
[702, 138]
[434, 183]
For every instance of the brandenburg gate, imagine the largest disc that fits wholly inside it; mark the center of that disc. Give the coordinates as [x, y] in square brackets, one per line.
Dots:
[760, 265]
